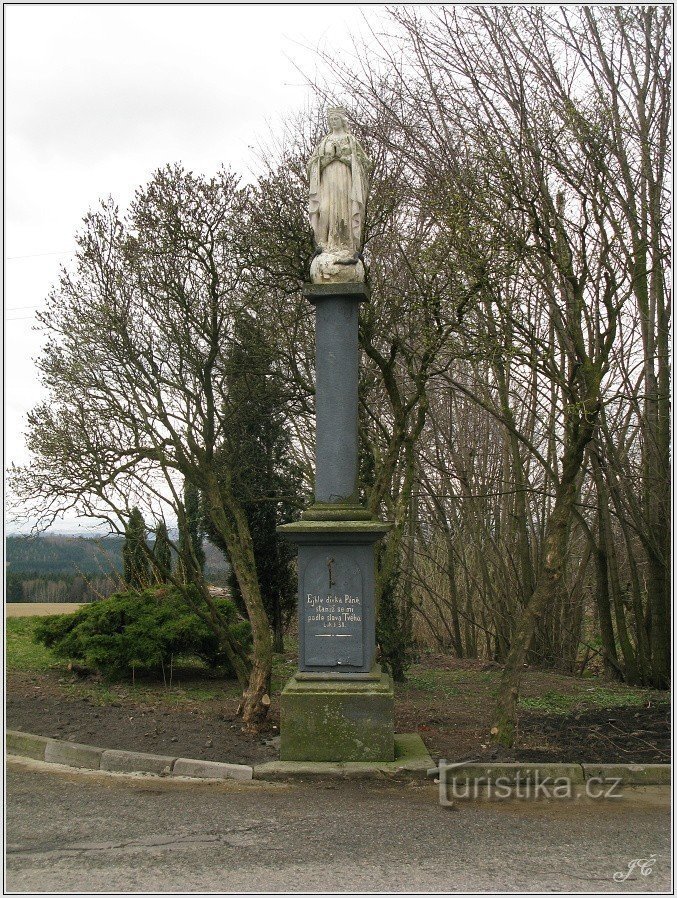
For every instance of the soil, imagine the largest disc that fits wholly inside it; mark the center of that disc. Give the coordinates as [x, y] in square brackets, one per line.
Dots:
[632, 735]
[448, 702]
[36, 704]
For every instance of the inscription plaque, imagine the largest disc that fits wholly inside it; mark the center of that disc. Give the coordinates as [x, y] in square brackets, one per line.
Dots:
[333, 612]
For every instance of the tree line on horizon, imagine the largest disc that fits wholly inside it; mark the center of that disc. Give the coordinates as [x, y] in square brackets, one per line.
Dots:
[74, 569]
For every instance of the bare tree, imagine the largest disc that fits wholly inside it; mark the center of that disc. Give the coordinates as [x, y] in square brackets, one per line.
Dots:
[535, 141]
[134, 368]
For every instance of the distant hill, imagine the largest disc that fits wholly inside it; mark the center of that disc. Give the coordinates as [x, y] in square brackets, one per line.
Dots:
[64, 554]
[72, 555]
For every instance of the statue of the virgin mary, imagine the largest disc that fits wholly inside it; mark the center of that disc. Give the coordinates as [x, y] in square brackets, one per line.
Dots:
[338, 172]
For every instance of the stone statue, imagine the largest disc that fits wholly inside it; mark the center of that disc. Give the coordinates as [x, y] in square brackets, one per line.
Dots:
[338, 172]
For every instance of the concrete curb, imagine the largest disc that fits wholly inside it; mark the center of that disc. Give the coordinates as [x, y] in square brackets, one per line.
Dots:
[411, 761]
[90, 757]
[514, 773]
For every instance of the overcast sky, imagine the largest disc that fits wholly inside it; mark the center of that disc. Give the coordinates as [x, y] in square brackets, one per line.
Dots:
[97, 97]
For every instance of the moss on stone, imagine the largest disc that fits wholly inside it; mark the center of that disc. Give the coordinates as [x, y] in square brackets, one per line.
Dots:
[337, 721]
[335, 527]
[326, 511]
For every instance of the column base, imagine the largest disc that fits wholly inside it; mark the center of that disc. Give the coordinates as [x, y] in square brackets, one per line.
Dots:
[334, 719]
[337, 511]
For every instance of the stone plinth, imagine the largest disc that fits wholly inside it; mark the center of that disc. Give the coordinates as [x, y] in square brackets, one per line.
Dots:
[337, 718]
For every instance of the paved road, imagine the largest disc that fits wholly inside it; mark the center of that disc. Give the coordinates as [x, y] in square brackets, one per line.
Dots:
[87, 833]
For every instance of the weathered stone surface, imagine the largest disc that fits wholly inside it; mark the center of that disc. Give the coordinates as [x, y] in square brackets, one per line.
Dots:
[135, 762]
[312, 676]
[334, 531]
[288, 770]
[337, 721]
[338, 175]
[411, 761]
[336, 593]
[26, 744]
[411, 752]
[212, 770]
[73, 754]
[340, 267]
[313, 292]
[631, 774]
[330, 511]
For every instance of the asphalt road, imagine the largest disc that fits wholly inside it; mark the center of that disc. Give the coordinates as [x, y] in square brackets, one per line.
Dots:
[70, 831]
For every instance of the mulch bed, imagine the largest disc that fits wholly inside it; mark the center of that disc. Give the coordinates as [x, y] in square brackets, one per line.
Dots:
[456, 729]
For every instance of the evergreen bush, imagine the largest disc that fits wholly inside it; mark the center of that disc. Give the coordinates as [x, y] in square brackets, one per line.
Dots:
[140, 631]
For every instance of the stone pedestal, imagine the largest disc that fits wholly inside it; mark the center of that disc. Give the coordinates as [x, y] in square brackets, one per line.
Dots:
[339, 706]
[339, 718]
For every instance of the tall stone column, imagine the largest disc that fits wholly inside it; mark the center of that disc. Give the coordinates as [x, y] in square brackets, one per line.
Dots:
[336, 379]
[339, 705]
[336, 398]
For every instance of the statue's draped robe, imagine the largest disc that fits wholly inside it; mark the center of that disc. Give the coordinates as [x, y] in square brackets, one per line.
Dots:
[338, 194]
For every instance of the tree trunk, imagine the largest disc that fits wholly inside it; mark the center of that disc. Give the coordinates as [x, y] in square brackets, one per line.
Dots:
[278, 632]
[233, 527]
[602, 597]
[549, 578]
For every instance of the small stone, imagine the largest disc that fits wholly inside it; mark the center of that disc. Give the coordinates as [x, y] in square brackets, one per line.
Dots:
[174, 739]
[208, 743]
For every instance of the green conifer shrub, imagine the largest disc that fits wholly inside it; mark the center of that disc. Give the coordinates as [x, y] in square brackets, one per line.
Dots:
[140, 631]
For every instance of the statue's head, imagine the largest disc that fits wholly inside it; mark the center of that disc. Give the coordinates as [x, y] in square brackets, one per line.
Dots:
[337, 119]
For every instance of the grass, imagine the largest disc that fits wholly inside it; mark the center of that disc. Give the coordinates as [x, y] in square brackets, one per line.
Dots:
[151, 693]
[21, 652]
[588, 697]
[192, 682]
[432, 681]
[543, 691]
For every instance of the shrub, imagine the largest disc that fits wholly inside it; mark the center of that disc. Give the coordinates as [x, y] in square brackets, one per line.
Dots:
[139, 631]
